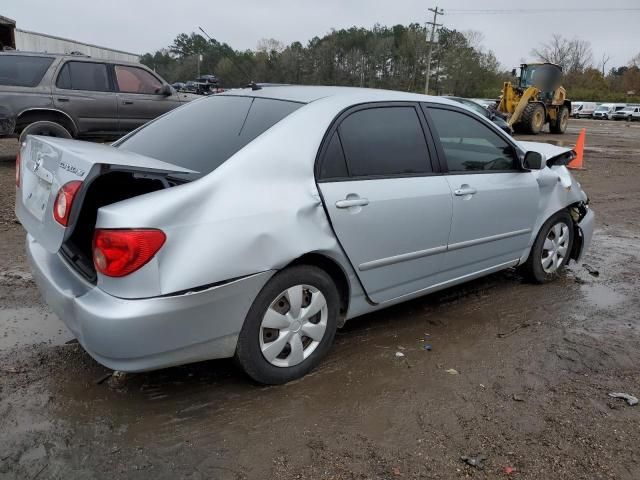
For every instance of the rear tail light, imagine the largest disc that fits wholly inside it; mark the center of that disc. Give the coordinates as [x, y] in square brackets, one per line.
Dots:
[117, 253]
[18, 170]
[64, 201]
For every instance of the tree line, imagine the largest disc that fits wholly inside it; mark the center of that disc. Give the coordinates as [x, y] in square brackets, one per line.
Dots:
[393, 58]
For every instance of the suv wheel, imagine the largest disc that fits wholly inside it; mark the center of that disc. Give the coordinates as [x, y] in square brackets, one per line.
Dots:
[45, 128]
[290, 326]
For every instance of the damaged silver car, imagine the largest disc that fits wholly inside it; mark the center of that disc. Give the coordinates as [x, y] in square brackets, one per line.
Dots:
[254, 223]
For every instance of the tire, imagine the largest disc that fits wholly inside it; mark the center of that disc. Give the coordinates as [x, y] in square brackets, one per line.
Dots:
[271, 354]
[46, 128]
[534, 269]
[561, 122]
[533, 118]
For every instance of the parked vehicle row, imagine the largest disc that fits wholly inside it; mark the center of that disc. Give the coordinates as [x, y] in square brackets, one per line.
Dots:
[605, 111]
[305, 207]
[78, 96]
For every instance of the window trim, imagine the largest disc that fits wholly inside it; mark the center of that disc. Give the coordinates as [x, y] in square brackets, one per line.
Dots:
[335, 124]
[67, 62]
[442, 159]
[115, 78]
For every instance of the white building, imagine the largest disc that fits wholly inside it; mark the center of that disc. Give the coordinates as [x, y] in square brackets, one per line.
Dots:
[18, 39]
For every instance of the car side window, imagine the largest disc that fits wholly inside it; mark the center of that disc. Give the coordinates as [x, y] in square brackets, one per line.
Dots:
[333, 164]
[136, 80]
[84, 76]
[469, 145]
[384, 141]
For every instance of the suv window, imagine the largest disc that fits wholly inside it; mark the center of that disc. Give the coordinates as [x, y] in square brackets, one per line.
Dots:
[384, 141]
[469, 145]
[23, 71]
[136, 80]
[210, 130]
[84, 76]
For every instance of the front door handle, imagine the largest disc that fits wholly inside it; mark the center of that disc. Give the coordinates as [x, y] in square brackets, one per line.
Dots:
[127, 102]
[465, 190]
[62, 99]
[352, 202]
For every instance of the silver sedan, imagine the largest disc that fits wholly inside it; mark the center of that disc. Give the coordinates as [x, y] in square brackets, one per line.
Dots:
[254, 223]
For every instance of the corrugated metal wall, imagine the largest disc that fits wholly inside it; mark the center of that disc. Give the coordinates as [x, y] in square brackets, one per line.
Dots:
[38, 42]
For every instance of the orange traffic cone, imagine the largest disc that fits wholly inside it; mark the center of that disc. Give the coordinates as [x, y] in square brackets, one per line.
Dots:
[576, 163]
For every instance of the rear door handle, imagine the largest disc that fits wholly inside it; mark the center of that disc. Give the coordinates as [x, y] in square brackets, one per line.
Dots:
[462, 191]
[127, 102]
[352, 202]
[63, 99]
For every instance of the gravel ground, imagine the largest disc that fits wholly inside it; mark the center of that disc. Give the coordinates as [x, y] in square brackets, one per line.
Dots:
[535, 365]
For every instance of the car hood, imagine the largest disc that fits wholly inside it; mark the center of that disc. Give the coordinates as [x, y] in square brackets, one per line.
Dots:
[549, 151]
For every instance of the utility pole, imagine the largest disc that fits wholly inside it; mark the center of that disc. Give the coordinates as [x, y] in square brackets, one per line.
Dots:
[434, 25]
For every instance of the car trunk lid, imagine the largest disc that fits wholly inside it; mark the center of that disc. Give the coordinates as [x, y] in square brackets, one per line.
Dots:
[46, 164]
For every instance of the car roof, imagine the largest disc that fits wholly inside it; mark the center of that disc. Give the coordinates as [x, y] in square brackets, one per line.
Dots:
[75, 56]
[308, 94]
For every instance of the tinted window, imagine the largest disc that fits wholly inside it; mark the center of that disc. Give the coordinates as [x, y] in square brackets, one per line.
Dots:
[23, 71]
[469, 145]
[209, 131]
[333, 163]
[136, 80]
[384, 141]
[84, 76]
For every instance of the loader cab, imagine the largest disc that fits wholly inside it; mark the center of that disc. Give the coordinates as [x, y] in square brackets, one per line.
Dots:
[545, 76]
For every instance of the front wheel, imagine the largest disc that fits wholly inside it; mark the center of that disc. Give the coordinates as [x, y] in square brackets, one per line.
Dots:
[290, 326]
[550, 252]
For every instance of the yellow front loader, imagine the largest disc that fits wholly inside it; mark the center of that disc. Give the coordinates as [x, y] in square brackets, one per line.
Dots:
[536, 99]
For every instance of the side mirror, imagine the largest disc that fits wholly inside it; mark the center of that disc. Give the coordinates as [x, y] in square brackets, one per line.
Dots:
[165, 90]
[514, 72]
[533, 161]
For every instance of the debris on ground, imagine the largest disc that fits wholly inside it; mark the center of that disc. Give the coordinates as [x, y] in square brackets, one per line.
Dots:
[592, 271]
[630, 399]
[452, 371]
[396, 471]
[508, 470]
[518, 398]
[104, 377]
[476, 461]
[117, 380]
[399, 354]
[427, 347]
[513, 330]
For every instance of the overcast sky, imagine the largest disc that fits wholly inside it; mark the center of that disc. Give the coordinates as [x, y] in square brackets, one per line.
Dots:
[147, 25]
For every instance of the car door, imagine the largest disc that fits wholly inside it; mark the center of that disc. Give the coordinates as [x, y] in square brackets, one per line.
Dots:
[84, 91]
[390, 209]
[495, 202]
[139, 96]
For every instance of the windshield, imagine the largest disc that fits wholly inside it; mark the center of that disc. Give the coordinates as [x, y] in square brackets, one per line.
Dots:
[23, 71]
[203, 134]
[542, 76]
[602, 108]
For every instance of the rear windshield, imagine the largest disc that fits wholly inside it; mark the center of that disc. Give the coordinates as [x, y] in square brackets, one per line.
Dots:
[203, 134]
[23, 71]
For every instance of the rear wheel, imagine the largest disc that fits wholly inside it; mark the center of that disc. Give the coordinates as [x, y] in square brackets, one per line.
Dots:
[45, 128]
[550, 252]
[561, 121]
[533, 119]
[290, 326]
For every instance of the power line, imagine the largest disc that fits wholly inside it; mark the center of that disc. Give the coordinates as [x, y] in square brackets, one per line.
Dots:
[516, 11]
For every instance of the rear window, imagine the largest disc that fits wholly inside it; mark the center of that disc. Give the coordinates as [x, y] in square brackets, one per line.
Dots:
[19, 71]
[202, 135]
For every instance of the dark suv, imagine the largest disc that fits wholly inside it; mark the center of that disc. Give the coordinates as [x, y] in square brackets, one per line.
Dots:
[78, 96]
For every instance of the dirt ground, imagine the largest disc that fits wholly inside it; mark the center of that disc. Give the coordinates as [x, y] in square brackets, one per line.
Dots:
[535, 365]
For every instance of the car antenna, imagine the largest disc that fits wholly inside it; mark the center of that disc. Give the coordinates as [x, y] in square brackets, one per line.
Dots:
[253, 85]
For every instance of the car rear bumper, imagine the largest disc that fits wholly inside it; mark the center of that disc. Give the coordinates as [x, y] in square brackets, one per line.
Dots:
[145, 334]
